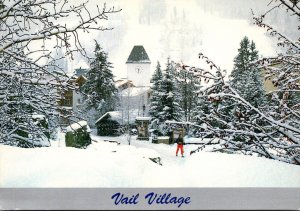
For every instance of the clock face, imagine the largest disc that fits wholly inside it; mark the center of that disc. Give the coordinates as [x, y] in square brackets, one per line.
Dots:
[138, 69]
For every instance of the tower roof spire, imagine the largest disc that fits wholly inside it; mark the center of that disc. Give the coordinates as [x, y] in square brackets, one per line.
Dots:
[138, 55]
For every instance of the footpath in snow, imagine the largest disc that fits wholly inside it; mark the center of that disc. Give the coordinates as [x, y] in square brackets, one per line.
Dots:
[106, 164]
[165, 152]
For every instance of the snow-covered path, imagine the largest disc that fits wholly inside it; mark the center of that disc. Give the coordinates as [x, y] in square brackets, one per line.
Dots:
[166, 152]
[104, 164]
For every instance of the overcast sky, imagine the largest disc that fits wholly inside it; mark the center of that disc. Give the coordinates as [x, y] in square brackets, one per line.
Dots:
[183, 28]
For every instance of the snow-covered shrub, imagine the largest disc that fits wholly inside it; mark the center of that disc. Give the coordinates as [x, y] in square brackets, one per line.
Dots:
[78, 135]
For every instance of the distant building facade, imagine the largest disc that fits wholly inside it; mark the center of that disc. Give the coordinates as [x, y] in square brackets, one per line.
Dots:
[123, 83]
[71, 98]
[77, 100]
[137, 98]
[134, 92]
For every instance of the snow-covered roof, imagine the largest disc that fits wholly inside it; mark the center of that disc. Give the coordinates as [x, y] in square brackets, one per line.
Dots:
[67, 107]
[110, 113]
[120, 117]
[82, 76]
[163, 137]
[138, 55]
[176, 122]
[143, 118]
[121, 82]
[77, 125]
[78, 78]
[81, 65]
[38, 116]
[135, 91]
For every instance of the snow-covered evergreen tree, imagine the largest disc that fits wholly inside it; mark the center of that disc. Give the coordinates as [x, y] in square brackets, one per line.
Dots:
[245, 77]
[100, 87]
[156, 98]
[23, 118]
[171, 97]
[209, 106]
[188, 85]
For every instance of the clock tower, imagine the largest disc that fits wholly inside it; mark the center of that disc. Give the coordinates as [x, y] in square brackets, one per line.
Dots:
[138, 66]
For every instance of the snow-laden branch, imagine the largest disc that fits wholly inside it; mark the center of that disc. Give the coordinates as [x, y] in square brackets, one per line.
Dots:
[29, 89]
[264, 131]
[51, 30]
[292, 5]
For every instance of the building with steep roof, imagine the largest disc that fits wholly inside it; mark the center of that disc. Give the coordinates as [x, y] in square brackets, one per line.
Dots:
[112, 122]
[138, 66]
[81, 68]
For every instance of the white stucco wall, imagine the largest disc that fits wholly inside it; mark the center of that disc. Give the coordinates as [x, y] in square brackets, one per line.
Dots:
[77, 100]
[141, 78]
[135, 99]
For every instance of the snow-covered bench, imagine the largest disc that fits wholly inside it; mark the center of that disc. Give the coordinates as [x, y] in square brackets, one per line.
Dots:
[163, 139]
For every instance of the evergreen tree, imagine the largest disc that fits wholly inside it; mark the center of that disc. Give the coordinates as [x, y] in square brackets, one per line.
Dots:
[170, 96]
[188, 85]
[245, 77]
[208, 106]
[156, 98]
[100, 90]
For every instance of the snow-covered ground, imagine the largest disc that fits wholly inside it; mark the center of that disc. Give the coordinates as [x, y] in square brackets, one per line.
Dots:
[106, 164]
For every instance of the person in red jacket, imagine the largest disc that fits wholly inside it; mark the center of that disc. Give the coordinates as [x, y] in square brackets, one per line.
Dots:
[180, 144]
